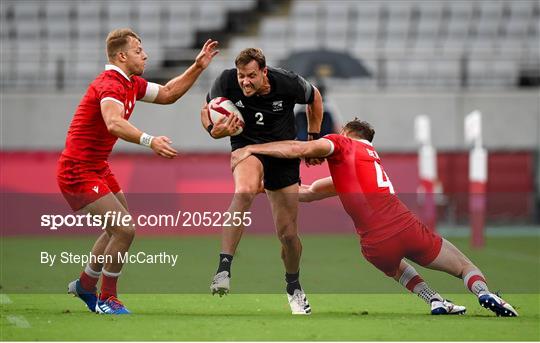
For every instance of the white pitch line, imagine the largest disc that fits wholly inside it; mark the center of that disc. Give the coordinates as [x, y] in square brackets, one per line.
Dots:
[18, 321]
[4, 299]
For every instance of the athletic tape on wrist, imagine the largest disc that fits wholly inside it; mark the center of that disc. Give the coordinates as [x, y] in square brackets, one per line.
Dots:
[146, 139]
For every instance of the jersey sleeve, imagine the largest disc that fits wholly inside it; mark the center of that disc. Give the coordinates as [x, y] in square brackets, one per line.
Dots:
[219, 87]
[337, 144]
[146, 91]
[111, 90]
[304, 91]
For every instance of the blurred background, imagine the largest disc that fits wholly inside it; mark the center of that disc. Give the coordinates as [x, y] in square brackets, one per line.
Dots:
[382, 61]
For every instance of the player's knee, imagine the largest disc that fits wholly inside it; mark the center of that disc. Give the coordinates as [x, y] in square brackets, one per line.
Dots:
[125, 234]
[288, 238]
[245, 194]
[251, 190]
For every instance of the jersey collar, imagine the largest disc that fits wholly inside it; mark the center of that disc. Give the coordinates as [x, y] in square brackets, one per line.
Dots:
[365, 141]
[115, 68]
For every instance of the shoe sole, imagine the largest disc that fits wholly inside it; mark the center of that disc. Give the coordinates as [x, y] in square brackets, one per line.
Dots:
[446, 313]
[307, 313]
[499, 310]
[99, 312]
[220, 291]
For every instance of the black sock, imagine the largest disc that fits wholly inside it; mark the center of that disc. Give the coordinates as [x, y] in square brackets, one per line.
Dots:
[225, 261]
[293, 282]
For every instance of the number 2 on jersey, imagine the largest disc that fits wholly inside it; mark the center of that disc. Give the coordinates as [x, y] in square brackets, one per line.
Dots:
[382, 179]
[260, 118]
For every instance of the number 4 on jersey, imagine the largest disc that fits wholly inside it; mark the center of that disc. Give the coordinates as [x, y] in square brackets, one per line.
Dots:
[382, 179]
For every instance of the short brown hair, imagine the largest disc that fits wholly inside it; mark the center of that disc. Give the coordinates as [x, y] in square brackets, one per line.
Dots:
[250, 54]
[362, 129]
[118, 39]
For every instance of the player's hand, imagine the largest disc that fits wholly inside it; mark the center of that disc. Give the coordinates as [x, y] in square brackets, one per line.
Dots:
[261, 188]
[238, 156]
[207, 53]
[226, 126]
[312, 161]
[162, 146]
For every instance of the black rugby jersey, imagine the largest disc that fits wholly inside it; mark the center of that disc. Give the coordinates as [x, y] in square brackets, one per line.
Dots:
[268, 117]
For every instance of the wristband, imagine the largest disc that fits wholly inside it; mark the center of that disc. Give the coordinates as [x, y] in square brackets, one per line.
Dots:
[146, 139]
[314, 135]
[209, 129]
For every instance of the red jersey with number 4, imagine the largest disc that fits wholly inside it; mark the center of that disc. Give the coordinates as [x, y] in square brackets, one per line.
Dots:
[365, 190]
[88, 138]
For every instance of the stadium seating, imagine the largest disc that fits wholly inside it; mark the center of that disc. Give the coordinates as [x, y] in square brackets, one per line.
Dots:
[39, 36]
[420, 43]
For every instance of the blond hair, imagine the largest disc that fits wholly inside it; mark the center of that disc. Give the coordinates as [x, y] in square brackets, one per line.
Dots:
[118, 39]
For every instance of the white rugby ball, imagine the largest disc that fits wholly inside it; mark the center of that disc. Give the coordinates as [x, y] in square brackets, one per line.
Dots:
[222, 107]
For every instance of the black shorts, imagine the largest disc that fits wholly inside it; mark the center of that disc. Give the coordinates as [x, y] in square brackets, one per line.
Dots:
[278, 172]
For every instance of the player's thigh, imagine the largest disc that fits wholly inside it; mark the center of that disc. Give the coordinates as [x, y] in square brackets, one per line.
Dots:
[121, 197]
[115, 188]
[450, 259]
[106, 207]
[280, 172]
[284, 205]
[248, 176]
[385, 256]
[421, 245]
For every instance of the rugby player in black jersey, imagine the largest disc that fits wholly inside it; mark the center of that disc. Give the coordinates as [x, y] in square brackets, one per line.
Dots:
[266, 97]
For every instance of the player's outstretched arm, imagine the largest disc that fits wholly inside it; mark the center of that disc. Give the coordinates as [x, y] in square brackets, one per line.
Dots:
[113, 115]
[175, 88]
[318, 190]
[284, 149]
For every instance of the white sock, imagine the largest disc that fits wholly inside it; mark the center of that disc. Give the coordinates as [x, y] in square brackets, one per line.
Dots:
[411, 280]
[476, 282]
[92, 273]
[110, 274]
[426, 293]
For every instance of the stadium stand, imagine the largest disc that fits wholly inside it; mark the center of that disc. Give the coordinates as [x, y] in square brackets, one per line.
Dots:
[441, 44]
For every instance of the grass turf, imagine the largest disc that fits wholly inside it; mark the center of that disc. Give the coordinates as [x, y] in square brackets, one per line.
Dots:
[266, 317]
[351, 300]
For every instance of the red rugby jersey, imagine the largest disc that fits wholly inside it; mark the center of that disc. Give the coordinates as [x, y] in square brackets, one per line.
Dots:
[88, 138]
[365, 190]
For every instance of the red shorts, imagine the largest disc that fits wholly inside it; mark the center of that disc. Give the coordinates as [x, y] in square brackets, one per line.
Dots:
[83, 183]
[417, 243]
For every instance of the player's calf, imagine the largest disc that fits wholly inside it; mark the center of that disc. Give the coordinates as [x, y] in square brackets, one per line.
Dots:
[411, 280]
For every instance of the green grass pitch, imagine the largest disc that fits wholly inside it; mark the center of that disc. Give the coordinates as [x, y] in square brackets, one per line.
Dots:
[351, 300]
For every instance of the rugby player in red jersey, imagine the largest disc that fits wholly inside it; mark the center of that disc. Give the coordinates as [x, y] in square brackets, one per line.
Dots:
[389, 231]
[83, 173]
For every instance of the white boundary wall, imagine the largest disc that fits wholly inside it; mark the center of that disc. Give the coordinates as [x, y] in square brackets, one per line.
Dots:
[511, 119]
